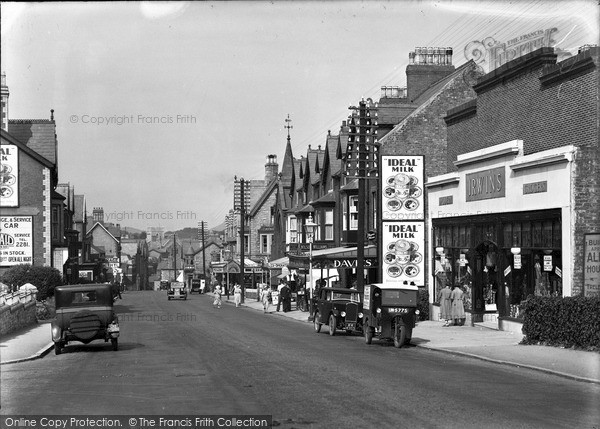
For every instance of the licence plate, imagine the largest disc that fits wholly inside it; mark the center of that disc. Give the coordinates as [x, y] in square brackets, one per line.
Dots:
[398, 310]
[350, 325]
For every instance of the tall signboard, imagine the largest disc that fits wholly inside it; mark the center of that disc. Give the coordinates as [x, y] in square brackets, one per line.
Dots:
[9, 175]
[403, 219]
[591, 265]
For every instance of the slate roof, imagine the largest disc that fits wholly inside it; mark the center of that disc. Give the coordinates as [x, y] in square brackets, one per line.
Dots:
[287, 167]
[263, 198]
[10, 139]
[37, 134]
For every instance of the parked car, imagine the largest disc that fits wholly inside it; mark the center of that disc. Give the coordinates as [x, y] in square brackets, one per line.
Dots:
[340, 308]
[390, 312]
[84, 313]
[176, 291]
[197, 286]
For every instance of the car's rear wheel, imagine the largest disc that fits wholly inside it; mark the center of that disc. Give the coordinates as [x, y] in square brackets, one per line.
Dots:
[316, 323]
[57, 348]
[368, 334]
[115, 344]
[332, 325]
[399, 334]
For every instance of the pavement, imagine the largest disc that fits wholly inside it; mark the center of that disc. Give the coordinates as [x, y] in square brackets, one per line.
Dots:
[479, 342]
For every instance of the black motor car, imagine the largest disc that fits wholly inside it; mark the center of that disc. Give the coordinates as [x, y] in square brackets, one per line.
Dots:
[84, 313]
[340, 308]
[390, 312]
[176, 291]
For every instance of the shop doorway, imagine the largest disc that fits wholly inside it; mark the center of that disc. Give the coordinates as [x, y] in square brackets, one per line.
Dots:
[486, 277]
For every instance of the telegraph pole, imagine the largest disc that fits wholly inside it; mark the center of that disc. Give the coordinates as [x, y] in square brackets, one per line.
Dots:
[363, 133]
[203, 251]
[242, 237]
[174, 259]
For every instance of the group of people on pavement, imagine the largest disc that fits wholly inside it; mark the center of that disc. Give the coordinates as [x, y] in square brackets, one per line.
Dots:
[284, 296]
[452, 308]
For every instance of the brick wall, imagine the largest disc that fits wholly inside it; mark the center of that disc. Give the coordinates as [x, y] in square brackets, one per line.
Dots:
[17, 316]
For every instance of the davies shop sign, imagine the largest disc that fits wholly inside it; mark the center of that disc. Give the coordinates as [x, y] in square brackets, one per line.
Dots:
[487, 184]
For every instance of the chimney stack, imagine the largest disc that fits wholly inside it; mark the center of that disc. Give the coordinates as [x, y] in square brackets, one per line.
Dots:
[271, 168]
[427, 65]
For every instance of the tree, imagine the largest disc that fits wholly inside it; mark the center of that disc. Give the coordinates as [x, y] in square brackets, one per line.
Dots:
[45, 279]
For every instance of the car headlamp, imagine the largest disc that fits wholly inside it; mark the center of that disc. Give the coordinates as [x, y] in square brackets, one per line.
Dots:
[343, 314]
[379, 310]
[360, 315]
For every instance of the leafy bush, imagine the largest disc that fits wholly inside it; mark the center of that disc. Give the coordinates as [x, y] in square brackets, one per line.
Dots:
[564, 322]
[423, 304]
[45, 279]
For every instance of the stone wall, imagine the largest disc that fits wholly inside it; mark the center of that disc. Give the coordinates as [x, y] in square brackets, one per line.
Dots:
[17, 316]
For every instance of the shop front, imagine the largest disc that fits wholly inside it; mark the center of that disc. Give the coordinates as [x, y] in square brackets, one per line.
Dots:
[500, 229]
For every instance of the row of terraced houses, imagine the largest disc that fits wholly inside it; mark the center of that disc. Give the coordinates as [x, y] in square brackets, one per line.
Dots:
[511, 183]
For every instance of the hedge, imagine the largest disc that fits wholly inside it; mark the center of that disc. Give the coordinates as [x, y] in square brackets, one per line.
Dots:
[571, 322]
[423, 304]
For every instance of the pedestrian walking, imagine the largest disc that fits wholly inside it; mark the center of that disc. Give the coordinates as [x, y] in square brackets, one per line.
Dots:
[286, 297]
[237, 294]
[265, 298]
[458, 308]
[445, 304]
[217, 301]
[279, 287]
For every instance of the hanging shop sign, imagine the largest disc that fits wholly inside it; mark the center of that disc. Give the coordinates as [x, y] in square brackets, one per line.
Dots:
[16, 240]
[403, 247]
[591, 265]
[402, 187]
[547, 262]
[517, 262]
[9, 175]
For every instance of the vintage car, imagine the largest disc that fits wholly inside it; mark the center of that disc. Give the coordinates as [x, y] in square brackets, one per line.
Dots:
[176, 291]
[84, 313]
[340, 308]
[197, 286]
[390, 312]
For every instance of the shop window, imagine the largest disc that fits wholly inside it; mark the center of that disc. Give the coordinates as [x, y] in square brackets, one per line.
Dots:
[462, 236]
[508, 236]
[547, 234]
[537, 234]
[556, 234]
[526, 234]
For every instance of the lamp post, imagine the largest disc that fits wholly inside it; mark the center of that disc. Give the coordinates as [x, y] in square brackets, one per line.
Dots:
[310, 233]
[227, 257]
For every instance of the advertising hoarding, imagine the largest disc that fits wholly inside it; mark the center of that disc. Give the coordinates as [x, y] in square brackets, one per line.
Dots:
[404, 252]
[402, 187]
[9, 175]
[16, 240]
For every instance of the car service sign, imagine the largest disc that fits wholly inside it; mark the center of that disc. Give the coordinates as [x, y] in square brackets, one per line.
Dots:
[16, 240]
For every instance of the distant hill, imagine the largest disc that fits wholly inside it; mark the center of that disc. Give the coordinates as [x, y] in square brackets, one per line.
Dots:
[193, 233]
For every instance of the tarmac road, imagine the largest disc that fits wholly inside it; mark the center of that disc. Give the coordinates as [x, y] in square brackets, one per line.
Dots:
[186, 357]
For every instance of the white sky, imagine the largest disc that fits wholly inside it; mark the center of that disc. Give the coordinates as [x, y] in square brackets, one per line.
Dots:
[239, 68]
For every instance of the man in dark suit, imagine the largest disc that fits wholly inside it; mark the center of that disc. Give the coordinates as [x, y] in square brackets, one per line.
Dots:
[286, 298]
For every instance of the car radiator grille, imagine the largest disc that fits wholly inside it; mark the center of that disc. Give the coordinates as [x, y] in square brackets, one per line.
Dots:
[351, 312]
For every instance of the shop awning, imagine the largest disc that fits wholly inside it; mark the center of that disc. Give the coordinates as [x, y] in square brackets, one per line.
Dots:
[337, 257]
[278, 264]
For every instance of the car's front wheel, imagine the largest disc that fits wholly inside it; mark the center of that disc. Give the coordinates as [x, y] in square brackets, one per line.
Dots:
[332, 325]
[316, 323]
[57, 348]
[115, 344]
[399, 334]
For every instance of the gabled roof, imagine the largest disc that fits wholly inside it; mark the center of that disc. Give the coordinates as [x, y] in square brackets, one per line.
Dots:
[10, 139]
[313, 165]
[264, 197]
[426, 98]
[99, 225]
[299, 173]
[38, 134]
